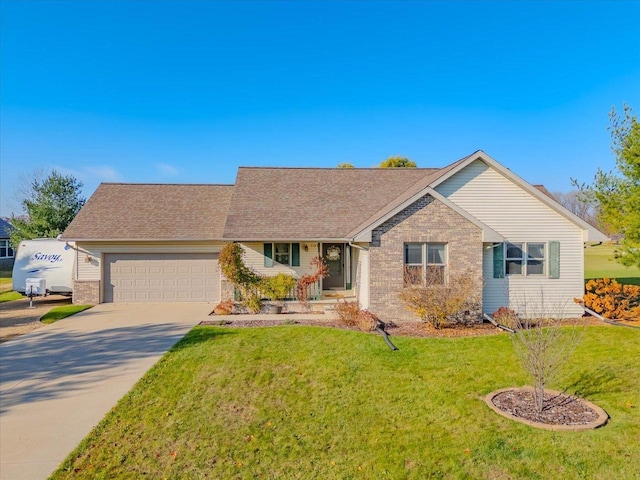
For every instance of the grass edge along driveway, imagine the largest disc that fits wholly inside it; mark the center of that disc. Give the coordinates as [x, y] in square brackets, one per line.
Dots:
[10, 296]
[58, 313]
[309, 402]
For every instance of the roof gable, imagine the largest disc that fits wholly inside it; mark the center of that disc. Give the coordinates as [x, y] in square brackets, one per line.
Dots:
[118, 211]
[488, 234]
[409, 195]
[590, 233]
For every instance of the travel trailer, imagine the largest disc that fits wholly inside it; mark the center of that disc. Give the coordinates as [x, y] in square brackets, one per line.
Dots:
[44, 266]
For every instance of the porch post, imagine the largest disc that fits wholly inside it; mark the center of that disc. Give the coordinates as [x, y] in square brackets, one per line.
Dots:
[320, 285]
[347, 265]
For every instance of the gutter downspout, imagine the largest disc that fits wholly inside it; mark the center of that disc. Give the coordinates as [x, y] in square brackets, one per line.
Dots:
[605, 320]
[380, 328]
[75, 266]
[496, 324]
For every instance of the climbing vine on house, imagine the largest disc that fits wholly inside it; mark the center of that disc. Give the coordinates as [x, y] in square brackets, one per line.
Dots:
[242, 277]
[251, 284]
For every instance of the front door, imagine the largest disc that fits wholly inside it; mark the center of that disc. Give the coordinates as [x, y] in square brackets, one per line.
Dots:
[333, 254]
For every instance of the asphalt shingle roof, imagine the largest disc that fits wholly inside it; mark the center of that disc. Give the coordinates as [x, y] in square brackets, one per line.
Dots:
[119, 211]
[312, 203]
[264, 204]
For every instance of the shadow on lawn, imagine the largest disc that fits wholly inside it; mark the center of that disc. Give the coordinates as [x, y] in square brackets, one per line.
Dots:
[200, 334]
[54, 363]
[594, 382]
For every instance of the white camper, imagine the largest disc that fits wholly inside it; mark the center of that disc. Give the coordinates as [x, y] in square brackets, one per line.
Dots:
[46, 265]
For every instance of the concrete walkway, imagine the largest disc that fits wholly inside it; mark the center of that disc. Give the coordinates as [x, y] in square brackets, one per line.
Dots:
[58, 382]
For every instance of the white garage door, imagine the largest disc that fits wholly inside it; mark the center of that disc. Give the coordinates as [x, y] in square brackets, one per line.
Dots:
[161, 277]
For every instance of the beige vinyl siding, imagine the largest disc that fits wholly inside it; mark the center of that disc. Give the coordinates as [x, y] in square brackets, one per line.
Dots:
[254, 259]
[520, 217]
[88, 262]
[362, 277]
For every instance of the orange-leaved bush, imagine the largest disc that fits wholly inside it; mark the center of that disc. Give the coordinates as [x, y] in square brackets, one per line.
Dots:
[612, 299]
[351, 315]
[306, 281]
[224, 308]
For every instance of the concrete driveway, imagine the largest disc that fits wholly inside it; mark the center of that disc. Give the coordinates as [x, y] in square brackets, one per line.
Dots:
[57, 382]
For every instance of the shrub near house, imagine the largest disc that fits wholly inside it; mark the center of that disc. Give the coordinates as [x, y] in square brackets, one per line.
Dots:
[438, 303]
[612, 299]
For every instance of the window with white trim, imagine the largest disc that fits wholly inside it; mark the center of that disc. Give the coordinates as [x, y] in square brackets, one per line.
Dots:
[424, 263]
[5, 249]
[282, 253]
[525, 258]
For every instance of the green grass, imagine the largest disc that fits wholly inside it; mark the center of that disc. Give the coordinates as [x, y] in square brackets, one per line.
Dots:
[305, 402]
[599, 262]
[58, 313]
[6, 283]
[9, 296]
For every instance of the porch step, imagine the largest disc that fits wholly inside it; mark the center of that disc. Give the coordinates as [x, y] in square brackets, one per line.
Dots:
[325, 304]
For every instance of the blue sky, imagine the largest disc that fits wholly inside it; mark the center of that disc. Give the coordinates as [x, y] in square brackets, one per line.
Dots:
[187, 91]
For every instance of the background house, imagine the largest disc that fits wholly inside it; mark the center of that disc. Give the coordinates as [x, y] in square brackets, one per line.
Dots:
[6, 252]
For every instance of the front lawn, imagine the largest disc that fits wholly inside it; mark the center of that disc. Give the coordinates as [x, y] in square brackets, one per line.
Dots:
[310, 402]
[10, 296]
[599, 262]
[6, 282]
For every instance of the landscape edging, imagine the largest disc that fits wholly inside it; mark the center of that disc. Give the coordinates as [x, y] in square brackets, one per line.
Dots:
[602, 419]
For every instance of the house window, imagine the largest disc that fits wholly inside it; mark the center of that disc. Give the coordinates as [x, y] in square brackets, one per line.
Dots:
[424, 263]
[5, 249]
[281, 253]
[535, 259]
[525, 259]
[530, 259]
[514, 260]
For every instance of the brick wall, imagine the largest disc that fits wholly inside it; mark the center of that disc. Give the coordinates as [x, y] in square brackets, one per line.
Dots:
[86, 292]
[226, 289]
[426, 220]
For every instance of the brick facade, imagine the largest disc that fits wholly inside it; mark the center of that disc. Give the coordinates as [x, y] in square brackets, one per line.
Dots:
[227, 290]
[426, 220]
[86, 292]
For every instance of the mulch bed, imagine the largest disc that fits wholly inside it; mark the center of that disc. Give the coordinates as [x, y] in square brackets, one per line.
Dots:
[560, 412]
[404, 329]
[559, 409]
